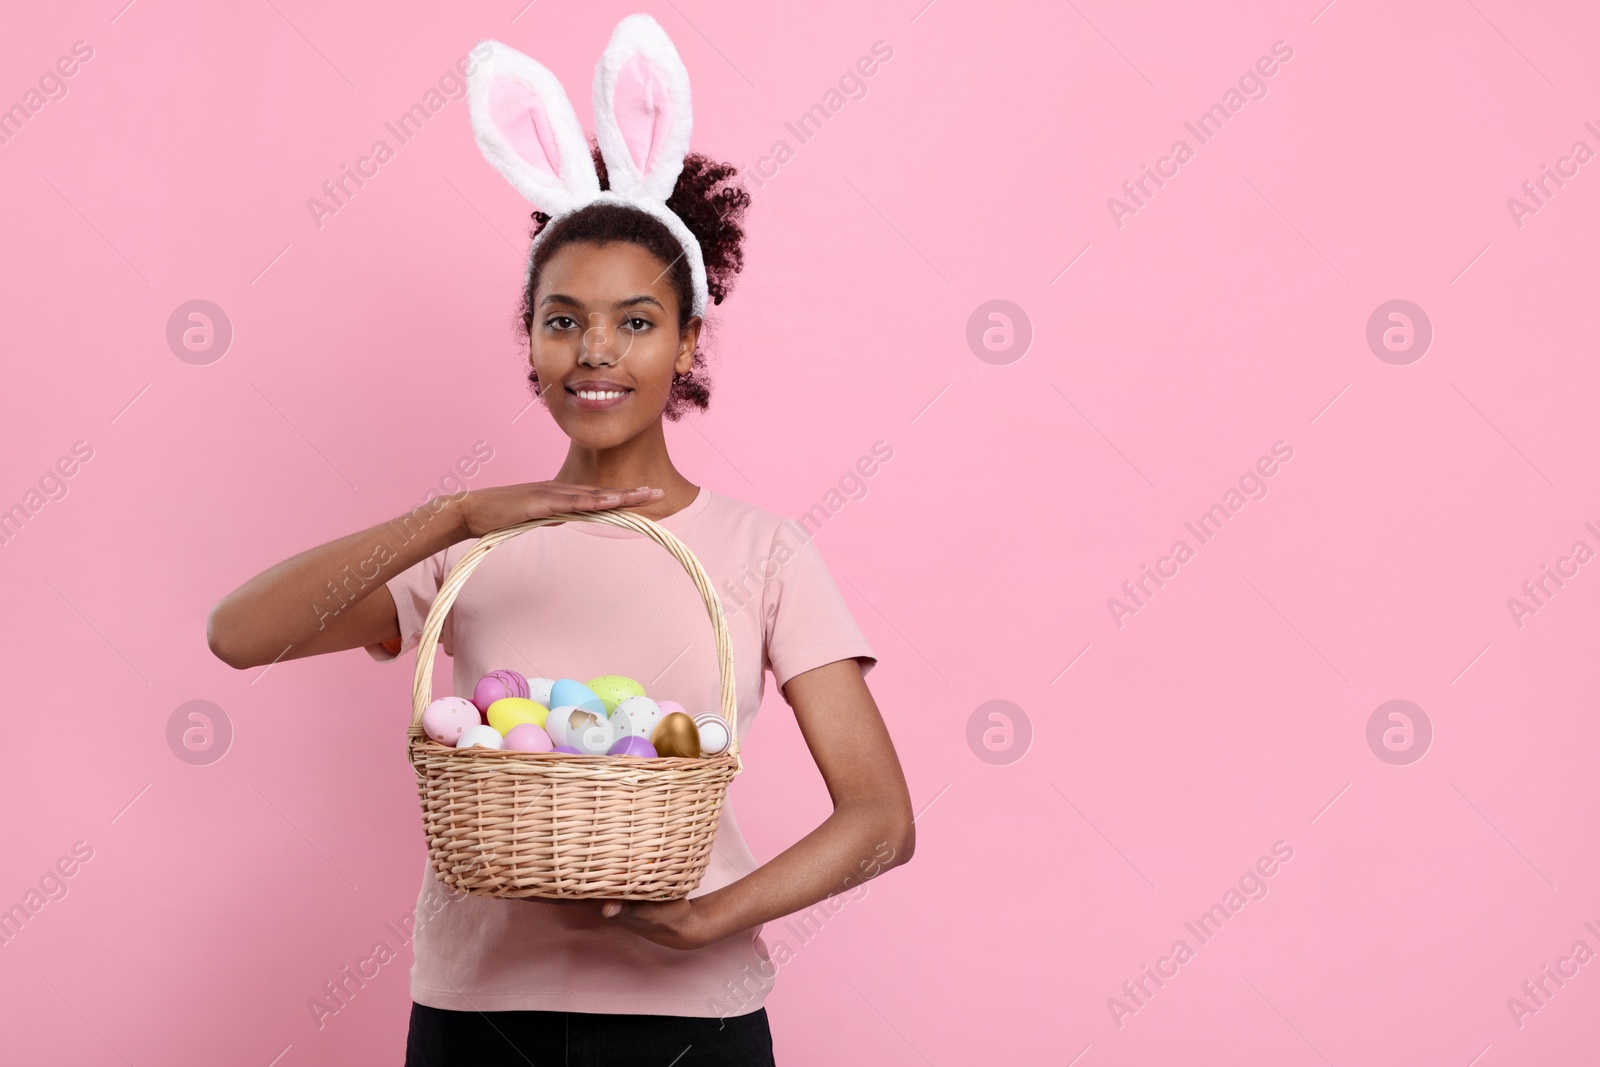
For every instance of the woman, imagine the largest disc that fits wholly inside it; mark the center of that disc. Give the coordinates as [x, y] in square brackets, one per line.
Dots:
[614, 349]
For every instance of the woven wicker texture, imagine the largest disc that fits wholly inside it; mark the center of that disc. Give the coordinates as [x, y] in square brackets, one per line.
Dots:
[527, 824]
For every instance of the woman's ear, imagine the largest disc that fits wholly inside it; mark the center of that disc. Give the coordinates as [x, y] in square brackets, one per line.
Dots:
[687, 341]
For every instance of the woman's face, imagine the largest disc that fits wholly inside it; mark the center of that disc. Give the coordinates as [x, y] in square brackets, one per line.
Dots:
[605, 341]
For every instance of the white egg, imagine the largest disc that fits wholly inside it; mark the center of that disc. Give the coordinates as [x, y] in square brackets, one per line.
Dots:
[555, 723]
[636, 717]
[539, 690]
[480, 736]
[590, 733]
[714, 737]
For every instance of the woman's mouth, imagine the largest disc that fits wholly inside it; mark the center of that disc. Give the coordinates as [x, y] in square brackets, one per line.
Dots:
[598, 396]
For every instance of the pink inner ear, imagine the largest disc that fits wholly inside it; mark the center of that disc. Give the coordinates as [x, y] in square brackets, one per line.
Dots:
[643, 110]
[521, 120]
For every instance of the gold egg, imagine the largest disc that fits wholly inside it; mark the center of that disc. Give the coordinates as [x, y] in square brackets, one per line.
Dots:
[676, 735]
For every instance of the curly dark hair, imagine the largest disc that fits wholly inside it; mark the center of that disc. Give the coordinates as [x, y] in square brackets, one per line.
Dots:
[710, 204]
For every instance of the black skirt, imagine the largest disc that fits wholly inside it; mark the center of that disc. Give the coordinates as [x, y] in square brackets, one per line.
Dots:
[443, 1038]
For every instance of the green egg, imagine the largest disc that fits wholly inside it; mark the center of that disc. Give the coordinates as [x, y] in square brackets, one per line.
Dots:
[612, 689]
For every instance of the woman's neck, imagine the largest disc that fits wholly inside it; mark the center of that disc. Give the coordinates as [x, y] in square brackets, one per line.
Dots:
[641, 461]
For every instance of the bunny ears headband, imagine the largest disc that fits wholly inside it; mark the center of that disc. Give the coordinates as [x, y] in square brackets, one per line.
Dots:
[527, 129]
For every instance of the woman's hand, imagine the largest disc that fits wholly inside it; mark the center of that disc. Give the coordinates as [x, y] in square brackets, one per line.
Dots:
[673, 923]
[480, 511]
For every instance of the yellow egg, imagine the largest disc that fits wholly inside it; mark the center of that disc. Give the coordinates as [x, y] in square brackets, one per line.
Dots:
[613, 689]
[514, 711]
[676, 735]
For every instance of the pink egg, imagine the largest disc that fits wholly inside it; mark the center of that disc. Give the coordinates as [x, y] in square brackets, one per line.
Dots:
[669, 706]
[445, 719]
[526, 737]
[497, 685]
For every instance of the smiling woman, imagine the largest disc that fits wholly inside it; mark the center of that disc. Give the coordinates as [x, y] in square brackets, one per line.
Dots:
[712, 205]
[619, 280]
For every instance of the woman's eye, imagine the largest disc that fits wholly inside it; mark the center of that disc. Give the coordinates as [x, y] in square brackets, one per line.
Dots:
[555, 322]
[636, 323]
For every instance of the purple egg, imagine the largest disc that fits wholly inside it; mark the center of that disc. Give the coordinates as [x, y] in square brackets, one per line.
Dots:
[497, 685]
[566, 748]
[632, 746]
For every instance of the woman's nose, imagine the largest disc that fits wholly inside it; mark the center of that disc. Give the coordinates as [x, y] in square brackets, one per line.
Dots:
[596, 343]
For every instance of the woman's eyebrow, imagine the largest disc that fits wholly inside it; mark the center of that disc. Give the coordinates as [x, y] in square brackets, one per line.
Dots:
[632, 301]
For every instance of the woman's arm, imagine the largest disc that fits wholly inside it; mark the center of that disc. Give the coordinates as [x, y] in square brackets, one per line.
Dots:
[328, 598]
[869, 831]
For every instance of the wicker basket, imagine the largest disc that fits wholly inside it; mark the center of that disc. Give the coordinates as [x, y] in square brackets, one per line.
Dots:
[526, 824]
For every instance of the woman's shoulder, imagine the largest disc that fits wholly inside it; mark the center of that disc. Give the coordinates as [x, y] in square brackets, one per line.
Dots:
[731, 516]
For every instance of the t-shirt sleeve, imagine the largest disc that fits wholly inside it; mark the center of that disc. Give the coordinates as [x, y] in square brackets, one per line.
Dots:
[805, 619]
[413, 590]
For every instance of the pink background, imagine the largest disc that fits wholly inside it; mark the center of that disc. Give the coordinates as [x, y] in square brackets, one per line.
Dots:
[1227, 314]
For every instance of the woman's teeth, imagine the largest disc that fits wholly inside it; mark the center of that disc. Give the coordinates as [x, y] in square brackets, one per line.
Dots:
[593, 394]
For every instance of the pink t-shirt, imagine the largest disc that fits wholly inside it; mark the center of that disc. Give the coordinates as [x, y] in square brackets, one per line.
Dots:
[581, 600]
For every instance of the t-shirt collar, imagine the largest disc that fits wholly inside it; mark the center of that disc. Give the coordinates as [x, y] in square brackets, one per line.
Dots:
[672, 522]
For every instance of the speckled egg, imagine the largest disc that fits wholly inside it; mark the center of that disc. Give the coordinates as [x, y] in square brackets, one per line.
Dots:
[612, 689]
[636, 717]
[480, 736]
[446, 718]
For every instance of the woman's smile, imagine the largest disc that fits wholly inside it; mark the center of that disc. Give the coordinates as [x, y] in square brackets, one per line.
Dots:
[597, 394]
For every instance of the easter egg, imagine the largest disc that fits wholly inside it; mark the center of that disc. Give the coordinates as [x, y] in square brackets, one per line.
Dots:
[590, 732]
[566, 691]
[555, 723]
[446, 718]
[612, 689]
[676, 735]
[669, 706]
[514, 711]
[528, 737]
[539, 690]
[636, 717]
[714, 736]
[497, 685]
[568, 749]
[632, 746]
[480, 736]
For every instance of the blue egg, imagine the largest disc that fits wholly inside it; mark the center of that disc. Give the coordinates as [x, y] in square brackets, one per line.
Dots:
[567, 692]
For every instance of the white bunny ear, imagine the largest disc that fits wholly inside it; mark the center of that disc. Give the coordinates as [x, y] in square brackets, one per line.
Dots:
[641, 110]
[526, 127]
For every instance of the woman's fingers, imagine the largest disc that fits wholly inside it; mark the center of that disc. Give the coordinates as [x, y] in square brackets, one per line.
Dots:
[601, 498]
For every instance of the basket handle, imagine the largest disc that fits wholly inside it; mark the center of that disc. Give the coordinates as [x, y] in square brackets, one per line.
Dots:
[422, 686]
